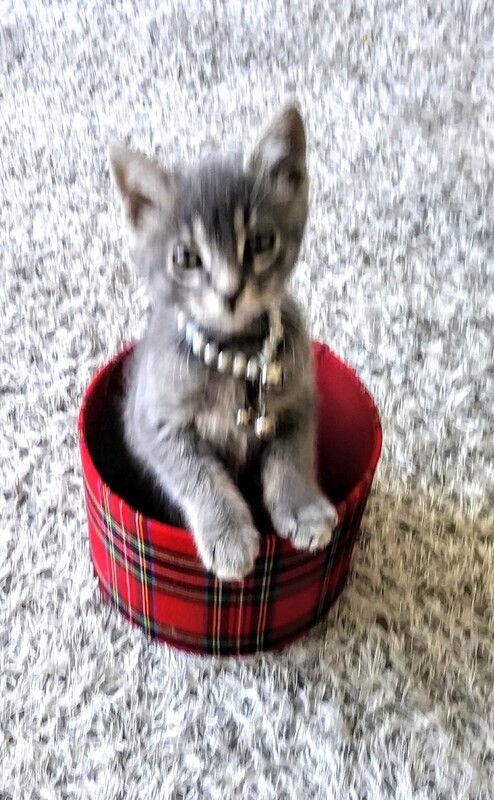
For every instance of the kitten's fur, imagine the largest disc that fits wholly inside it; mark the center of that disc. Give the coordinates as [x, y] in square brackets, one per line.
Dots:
[179, 416]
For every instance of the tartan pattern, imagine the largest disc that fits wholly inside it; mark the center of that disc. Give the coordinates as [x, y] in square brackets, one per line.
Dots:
[152, 574]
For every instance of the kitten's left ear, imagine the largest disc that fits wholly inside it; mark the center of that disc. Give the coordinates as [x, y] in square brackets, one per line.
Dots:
[146, 190]
[280, 150]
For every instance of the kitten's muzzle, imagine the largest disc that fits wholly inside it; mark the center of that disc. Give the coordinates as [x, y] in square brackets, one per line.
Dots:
[231, 300]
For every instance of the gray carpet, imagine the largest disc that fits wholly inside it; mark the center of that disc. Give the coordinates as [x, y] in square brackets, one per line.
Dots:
[392, 696]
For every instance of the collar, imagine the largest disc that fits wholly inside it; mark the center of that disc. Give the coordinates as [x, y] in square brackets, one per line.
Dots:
[261, 371]
[228, 359]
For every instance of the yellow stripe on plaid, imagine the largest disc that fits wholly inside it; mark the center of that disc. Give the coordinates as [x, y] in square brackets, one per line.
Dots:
[129, 602]
[266, 584]
[144, 577]
[111, 548]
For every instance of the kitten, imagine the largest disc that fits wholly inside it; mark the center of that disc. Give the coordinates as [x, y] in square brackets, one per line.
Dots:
[218, 242]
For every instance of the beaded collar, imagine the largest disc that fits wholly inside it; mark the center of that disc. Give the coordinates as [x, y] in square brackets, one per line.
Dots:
[258, 372]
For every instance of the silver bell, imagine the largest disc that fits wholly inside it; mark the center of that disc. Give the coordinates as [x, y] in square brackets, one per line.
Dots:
[210, 354]
[199, 342]
[190, 332]
[239, 365]
[224, 361]
[253, 368]
[181, 321]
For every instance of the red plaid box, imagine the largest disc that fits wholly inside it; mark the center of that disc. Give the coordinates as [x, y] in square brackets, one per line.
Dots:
[151, 570]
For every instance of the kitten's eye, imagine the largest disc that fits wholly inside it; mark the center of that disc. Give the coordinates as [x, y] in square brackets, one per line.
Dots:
[262, 243]
[186, 258]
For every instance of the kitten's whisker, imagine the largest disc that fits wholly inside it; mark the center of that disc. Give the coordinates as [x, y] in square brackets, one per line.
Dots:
[259, 200]
[255, 191]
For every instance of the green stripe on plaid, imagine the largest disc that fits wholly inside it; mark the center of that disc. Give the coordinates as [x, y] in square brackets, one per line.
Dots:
[208, 600]
[218, 592]
[152, 587]
[265, 591]
[327, 569]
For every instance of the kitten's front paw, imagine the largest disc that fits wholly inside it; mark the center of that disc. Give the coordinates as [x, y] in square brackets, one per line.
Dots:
[231, 553]
[309, 527]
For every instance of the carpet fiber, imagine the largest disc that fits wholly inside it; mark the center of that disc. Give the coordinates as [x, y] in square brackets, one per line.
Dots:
[392, 696]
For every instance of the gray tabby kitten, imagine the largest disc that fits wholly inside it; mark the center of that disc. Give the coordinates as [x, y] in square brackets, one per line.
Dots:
[218, 242]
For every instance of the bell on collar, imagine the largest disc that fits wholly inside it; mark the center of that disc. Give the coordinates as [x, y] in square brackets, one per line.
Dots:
[244, 417]
[211, 354]
[272, 374]
[252, 370]
[225, 360]
[199, 343]
[265, 426]
[239, 366]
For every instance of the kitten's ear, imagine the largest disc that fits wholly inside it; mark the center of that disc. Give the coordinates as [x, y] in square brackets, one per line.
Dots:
[146, 190]
[281, 148]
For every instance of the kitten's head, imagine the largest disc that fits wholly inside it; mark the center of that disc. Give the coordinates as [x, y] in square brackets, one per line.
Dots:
[220, 239]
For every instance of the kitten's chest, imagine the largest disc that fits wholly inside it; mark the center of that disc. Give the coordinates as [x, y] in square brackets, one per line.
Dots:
[216, 421]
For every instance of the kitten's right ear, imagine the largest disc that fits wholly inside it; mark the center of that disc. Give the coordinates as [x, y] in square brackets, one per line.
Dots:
[281, 147]
[146, 190]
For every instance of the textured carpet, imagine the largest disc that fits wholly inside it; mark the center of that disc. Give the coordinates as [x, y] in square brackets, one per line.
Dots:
[393, 696]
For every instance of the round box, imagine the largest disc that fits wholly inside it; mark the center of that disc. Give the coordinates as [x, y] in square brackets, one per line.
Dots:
[150, 569]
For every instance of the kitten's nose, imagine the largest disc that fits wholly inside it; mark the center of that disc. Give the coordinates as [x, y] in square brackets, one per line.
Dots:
[231, 300]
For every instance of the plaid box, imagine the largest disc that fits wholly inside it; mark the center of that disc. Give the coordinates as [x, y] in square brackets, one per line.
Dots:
[152, 573]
